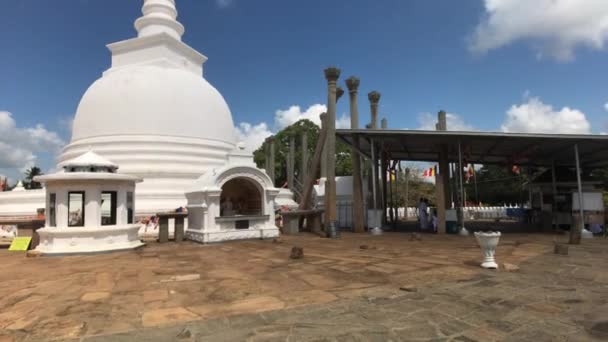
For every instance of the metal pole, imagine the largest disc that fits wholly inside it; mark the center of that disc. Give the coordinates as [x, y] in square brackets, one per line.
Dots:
[475, 182]
[407, 190]
[576, 239]
[463, 229]
[374, 165]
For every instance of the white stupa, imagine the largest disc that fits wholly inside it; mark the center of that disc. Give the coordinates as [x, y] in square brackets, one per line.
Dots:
[153, 113]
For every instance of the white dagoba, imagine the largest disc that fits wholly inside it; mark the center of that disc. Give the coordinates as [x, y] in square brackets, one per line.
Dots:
[154, 114]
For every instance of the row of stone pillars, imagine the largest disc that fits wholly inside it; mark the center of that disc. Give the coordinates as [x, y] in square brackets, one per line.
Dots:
[269, 154]
[328, 155]
[324, 159]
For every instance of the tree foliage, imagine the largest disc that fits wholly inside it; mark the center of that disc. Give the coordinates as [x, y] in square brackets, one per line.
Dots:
[417, 187]
[281, 143]
[498, 185]
[29, 182]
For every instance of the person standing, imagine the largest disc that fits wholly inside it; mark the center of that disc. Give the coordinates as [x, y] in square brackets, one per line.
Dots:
[422, 214]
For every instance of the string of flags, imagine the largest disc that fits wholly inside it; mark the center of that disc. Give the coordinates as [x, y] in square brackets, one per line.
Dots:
[431, 172]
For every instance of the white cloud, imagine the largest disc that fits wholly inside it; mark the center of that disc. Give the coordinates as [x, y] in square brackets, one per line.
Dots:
[555, 28]
[455, 122]
[254, 135]
[293, 114]
[606, 106]
[534, 116]
[19, 146]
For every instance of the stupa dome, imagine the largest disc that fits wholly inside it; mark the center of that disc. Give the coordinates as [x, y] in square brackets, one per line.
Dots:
[153, 113]
[153, 100]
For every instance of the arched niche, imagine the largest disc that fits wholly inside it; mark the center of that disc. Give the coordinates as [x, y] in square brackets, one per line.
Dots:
[241, 196]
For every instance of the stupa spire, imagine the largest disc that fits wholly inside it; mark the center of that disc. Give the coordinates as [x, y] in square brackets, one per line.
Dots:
[159, 16]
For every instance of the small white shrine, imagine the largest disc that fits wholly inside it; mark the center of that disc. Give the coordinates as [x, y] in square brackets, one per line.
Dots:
[234, 202]
[89, 208]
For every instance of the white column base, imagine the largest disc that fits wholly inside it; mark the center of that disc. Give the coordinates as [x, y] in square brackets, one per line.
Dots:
[54, 241]
[229, 235]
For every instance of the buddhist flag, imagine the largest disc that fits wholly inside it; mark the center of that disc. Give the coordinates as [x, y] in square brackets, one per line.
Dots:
[431, 172]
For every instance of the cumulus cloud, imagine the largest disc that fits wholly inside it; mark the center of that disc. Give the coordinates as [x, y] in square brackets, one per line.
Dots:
[455, 122]
[555, 28]
[254, 135]
[19, 147]
[533, 116]
[606, 106]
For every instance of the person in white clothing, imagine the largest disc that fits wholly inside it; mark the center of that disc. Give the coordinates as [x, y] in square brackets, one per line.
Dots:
[422, 214]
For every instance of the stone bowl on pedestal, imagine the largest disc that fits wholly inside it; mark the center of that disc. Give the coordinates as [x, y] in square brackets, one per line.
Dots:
[488, 242]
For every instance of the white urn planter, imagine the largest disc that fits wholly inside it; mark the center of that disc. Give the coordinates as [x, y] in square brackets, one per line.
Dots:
[586, 234]
[488, 242]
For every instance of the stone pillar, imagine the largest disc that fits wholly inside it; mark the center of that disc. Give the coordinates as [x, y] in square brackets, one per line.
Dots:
[291, 162]
[442, 179]
[374, 99]
[271, 162]
[304, 162]
[324, 147]
[358, 208]
[331, 74]
[315, 165]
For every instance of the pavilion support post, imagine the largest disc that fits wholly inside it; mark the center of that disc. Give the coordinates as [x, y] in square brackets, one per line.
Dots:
[374, 169]
[331, 74]
[384, 165]
[292, 161]
[407, 191]
[309, 182]
[442, 179]
[352, 84]
[304, 161]
[384, 169]
[577, 228]
[463, 230]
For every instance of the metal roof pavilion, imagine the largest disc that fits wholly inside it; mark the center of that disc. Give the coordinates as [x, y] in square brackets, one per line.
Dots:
[482, 147]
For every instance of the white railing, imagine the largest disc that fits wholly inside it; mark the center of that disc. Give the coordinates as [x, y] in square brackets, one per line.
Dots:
[472, 213]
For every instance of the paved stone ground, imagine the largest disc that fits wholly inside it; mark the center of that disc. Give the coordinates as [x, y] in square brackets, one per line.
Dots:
[339, 291]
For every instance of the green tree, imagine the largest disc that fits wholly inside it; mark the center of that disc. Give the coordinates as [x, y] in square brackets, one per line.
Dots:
[29, 182]
[281, 142]
[497, 185]
[417, 187]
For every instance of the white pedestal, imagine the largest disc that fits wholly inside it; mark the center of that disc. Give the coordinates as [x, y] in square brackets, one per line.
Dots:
[488, 243]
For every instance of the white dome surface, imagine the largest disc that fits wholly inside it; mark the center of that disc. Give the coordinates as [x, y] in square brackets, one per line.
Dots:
[153, 100]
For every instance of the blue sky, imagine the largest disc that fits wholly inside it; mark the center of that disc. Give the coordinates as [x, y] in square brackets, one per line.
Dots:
[512, 65]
